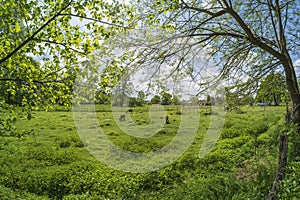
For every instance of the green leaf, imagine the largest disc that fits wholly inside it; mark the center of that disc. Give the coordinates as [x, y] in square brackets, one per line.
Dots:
[17, 27]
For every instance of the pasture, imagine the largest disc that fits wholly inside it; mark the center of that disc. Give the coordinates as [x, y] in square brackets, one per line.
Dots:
[55, 162]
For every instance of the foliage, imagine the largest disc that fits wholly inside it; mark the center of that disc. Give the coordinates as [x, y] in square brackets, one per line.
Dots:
[290, 188]
[293, 138]
[156, 99]
[43, 44]
[137, 101]
[236, 98]
[273, 89]
[54, 164]
[166, 98]
[7, 194]
[244, 41]
[102, 97]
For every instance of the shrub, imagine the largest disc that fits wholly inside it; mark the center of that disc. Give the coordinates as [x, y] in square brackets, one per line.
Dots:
[214, 186]
[67, 141]
[293, 139]
[291, 184]
[64, 144]
[178, 113]
[231, 133]
[228, 123]
[8, 194]
[84, 197]
[263, 138]
[256, 128]
[162, 132]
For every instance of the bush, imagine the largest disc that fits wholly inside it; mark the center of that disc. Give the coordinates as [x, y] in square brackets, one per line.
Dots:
[8, 194]
[68, 141]
[231, 132]
[212, 187]
[263, 138]
[290, 188]
[256, 128]
[64, 144]
[84, 197]
[178, 113]
[293, 139]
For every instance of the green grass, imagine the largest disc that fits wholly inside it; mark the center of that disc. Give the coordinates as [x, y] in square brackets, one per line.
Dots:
[55, 162]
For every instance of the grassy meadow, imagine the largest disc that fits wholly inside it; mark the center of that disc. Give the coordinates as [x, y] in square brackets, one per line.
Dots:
[55, 162]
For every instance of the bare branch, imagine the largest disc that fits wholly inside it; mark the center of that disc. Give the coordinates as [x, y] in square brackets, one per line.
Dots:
[206, 11]
[215, 15]
[218, 34]
[280, 25]
[252, 38]
[270, 6]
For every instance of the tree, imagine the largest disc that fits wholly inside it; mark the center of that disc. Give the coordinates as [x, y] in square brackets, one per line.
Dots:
[194, 100]
[244, 38]
[102, 97]
[132, 102]
[232, 98]
[156, 99]
[140, 98]
[166, 98]
[236, 98]
[42, 43]
[272, 89]
[175, 100]
[122, 92]
[208, 100]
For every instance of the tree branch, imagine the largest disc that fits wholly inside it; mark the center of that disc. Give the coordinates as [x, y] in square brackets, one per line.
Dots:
[35, 81]
[217, 14]
[234, 35]
[252, 38]
[203, 10]
[270, 6]
[30, 38]
[57, 43]
[281, 31]
[95, 20]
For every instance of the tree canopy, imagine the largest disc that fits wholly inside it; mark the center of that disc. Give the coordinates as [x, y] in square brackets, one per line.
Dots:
[273, 90]
[242, 40]
[43, 43]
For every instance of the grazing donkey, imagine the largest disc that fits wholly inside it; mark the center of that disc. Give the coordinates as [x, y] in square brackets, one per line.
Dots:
[129, 111]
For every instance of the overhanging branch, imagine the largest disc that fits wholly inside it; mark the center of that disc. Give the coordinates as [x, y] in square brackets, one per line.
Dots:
[95, 20]
[57, 43]
[252, 38]
[30, 38]
[234, 35]
[34, 81]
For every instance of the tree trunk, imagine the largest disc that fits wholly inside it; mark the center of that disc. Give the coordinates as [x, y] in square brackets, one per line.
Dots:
[275, 99]
[293, 88]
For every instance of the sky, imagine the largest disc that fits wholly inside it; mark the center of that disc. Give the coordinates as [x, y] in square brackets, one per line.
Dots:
[190, 88]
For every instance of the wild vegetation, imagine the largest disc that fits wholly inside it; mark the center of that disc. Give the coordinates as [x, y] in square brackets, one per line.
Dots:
[58, 54]
[53, 163]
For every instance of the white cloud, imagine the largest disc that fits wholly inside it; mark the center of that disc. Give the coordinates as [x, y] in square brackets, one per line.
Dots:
[297, 63]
